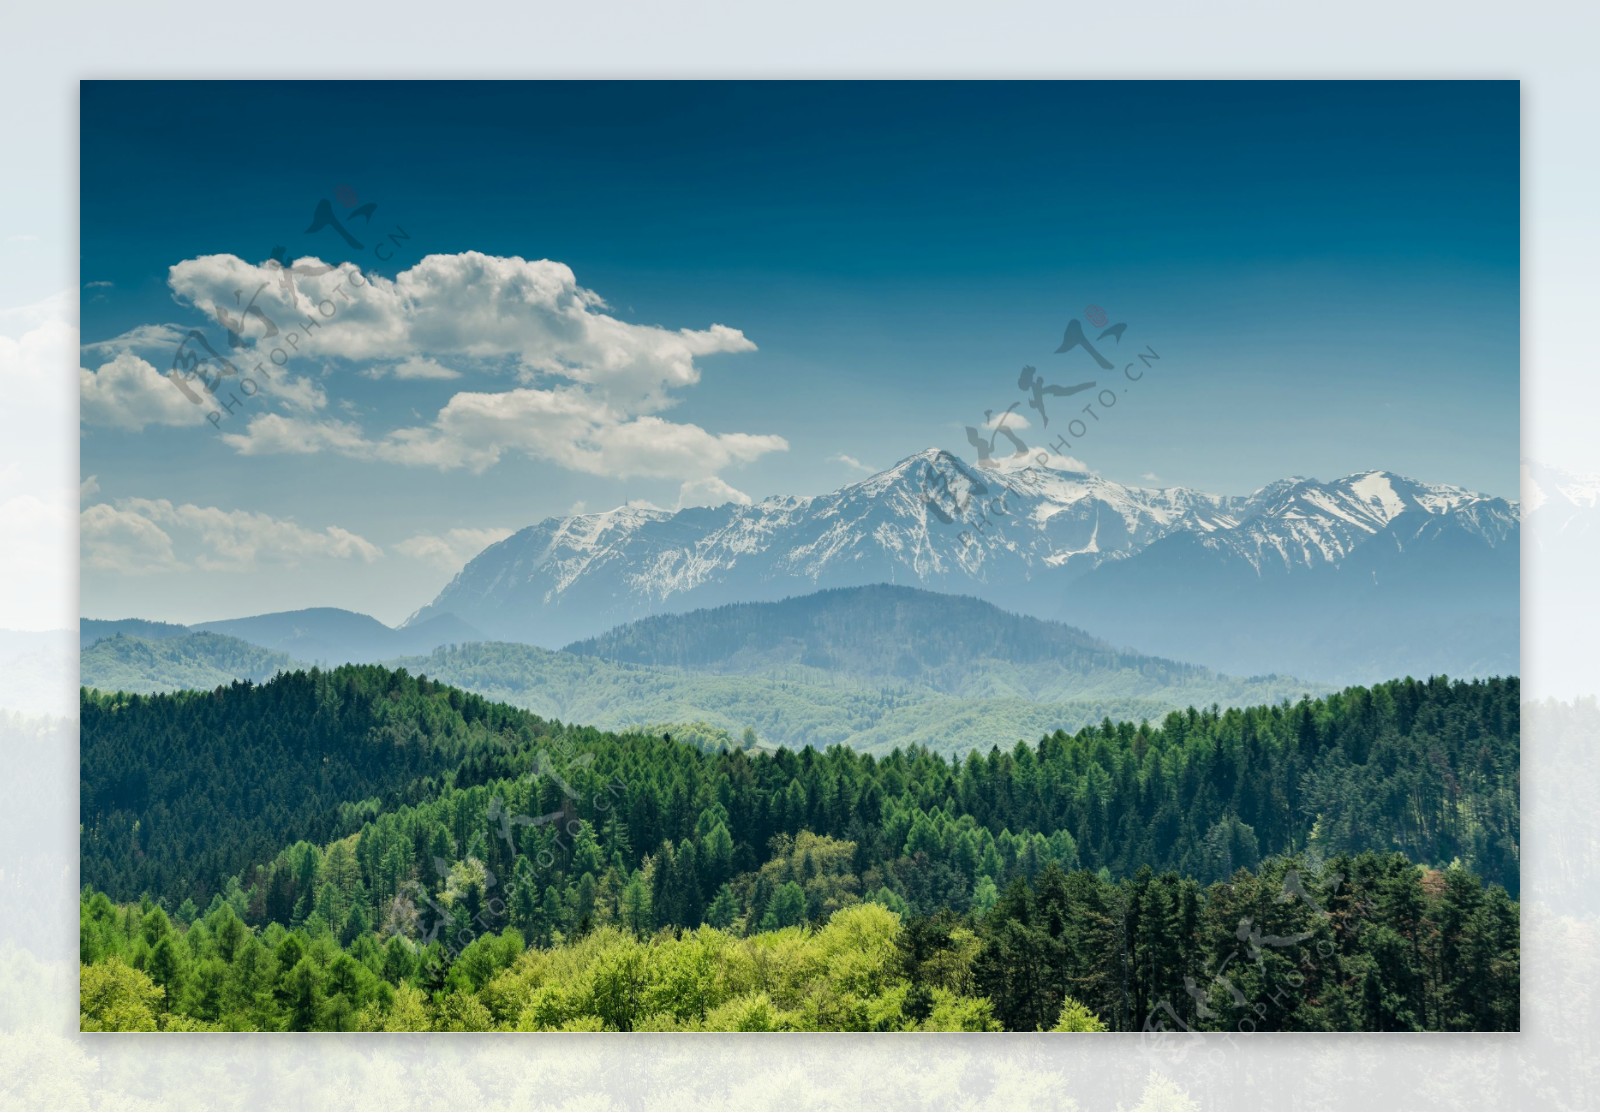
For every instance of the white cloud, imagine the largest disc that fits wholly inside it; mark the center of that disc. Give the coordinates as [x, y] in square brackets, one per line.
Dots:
[1058, 462]
[115, 540]
[269, 434]
[1009, 419]
[143, 535]
[1039, 458]
[476, 430]
[452, 549]
[89, 487]
[591, 384]
[710, 491]
[851, 462]
[128, 393]
[98, 284]
[417, 367]
[532, 312]
[297, 393]
[1151, 477]
[142, 338]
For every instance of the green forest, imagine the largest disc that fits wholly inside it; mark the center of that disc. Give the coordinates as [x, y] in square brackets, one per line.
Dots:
[1343, 863]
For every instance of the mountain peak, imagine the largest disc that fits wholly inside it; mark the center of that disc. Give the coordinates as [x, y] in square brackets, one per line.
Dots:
[1019, 535]
[936, 458]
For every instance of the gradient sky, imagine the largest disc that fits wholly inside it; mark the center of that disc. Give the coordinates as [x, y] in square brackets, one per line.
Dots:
[1328, 270]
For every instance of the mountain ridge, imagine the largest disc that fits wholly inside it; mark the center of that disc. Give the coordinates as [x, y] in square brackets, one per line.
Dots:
[1025, 538]
[870, 668]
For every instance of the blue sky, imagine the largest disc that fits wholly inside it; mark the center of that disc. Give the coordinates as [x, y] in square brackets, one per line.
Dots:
[1329, 272]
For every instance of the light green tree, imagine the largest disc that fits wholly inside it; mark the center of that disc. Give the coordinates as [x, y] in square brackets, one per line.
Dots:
[114, 997]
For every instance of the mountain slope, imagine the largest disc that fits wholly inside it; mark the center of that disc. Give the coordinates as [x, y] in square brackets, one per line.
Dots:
[952, 644]
[1340, 596]
[931, 521]
[1055, 545]
[800, 706]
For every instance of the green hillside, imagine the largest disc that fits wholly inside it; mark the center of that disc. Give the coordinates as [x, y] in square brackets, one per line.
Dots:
[125, 663]
[800, 705]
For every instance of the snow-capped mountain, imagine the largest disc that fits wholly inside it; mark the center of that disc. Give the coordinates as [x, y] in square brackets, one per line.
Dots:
[1029, 539]
[1305, 523]
[930, 521]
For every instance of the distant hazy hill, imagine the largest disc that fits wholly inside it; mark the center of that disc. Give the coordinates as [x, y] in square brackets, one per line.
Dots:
[91, 630]
[201, 660]
[318, 635]
[1418, 592]
[953, 644]
[871, 668]
[328, 635]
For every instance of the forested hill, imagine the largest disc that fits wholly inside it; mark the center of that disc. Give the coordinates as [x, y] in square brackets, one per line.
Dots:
[951, 643]
[800, 705]
[181, 792]
[129, 663]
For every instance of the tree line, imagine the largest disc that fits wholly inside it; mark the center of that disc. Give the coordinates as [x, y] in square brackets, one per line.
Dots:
[1363, 943]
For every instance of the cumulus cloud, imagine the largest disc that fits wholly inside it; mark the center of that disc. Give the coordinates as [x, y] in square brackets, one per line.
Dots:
[269, 434]
[139, 535]
[117, 540]
[128, 393]
[590, 385]
[710, 491]
[452, 549]
[532, 313]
